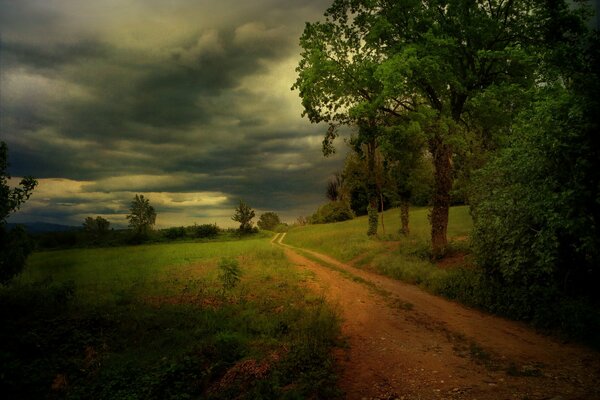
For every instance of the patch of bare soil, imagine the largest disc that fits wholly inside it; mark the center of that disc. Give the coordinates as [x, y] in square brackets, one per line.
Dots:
[404, 343]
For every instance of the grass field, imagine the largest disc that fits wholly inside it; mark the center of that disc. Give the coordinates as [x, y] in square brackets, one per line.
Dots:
[157, 322]
[392, 254]
[347, 240]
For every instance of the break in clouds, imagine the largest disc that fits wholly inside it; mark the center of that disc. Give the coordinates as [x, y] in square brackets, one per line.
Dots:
[187, 102]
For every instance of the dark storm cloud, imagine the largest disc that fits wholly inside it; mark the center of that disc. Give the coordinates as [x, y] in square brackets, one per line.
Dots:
[107, 95]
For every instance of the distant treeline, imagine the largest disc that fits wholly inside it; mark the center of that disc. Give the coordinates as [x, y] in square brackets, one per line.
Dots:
[121, 237]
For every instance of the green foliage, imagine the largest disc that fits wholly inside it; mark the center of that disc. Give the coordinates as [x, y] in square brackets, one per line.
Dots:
[96, 227]
[229, 273]
[377, 64]
[15, 245]
[174, 232]
[243, 215]
[536, 207]
[268, 221]
[206, 230]
[142, 216]
[332, 212]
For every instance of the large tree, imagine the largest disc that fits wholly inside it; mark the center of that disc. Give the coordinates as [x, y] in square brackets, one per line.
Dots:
[14, 244]
[338, 86]
[430, 60]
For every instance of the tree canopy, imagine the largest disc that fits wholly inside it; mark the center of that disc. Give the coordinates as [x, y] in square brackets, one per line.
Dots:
[268, 221]
[142, 215]
[244, 214]
[383, 63]
[14, 244]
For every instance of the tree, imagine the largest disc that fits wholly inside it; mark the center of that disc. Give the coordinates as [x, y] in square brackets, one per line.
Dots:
[404, 149]
[14, 245]
[243, 215]
[427, 61]
[536, 205]
[96, 227]
[142, 216]
[337, 84]
[268, 221]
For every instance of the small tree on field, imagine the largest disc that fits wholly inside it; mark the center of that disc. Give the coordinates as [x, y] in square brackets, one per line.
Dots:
[14, 245]
[142, 215]
[244, 214]
[268, 221]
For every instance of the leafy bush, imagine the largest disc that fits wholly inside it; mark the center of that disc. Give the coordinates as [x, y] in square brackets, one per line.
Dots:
[15, 246]
[335, 211]
[535, 210]
[174, 233]
[268, 221]
[206, 230]
[230, 273]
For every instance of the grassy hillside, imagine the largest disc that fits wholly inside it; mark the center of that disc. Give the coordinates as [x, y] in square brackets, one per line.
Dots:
[157, 322]
[348, 240]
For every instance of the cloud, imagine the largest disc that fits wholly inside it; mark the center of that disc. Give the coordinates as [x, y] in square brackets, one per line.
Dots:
[105, 99]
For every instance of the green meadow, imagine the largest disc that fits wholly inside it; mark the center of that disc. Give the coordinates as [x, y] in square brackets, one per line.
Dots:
[390, 253]
[162, 322]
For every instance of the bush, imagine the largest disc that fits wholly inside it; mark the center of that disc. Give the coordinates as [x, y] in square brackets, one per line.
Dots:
[174, 233]
[268, 221]
[15, 246]
[335, 211]
[230, 273]
[206, 230]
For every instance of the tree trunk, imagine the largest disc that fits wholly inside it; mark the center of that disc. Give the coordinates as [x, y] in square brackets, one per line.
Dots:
[404, 206]
[381, 202]
[442, 153]
[373, 207]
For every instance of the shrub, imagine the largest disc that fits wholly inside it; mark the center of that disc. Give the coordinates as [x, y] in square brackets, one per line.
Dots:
[268, 221]
[230, 273]
[335, 211]
[174, 233]
[206, 230]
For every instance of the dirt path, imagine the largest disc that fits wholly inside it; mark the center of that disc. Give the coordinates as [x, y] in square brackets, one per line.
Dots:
[404, 343]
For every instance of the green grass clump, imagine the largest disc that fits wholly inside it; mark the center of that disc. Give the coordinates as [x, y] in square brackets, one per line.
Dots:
[154, 322]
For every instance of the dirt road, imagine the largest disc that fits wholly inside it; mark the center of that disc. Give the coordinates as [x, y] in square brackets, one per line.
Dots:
[404, 343]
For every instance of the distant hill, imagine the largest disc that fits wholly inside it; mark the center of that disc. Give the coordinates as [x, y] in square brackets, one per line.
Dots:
[43, 227]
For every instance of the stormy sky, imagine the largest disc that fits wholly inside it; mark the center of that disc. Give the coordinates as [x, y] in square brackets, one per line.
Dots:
[185, 101]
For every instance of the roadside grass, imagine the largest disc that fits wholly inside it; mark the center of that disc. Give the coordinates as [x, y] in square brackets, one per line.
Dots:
[347, 241]
[455, 277]
[160, 322]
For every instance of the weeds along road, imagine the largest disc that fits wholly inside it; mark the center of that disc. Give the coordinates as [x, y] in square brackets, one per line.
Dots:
[404, 343]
